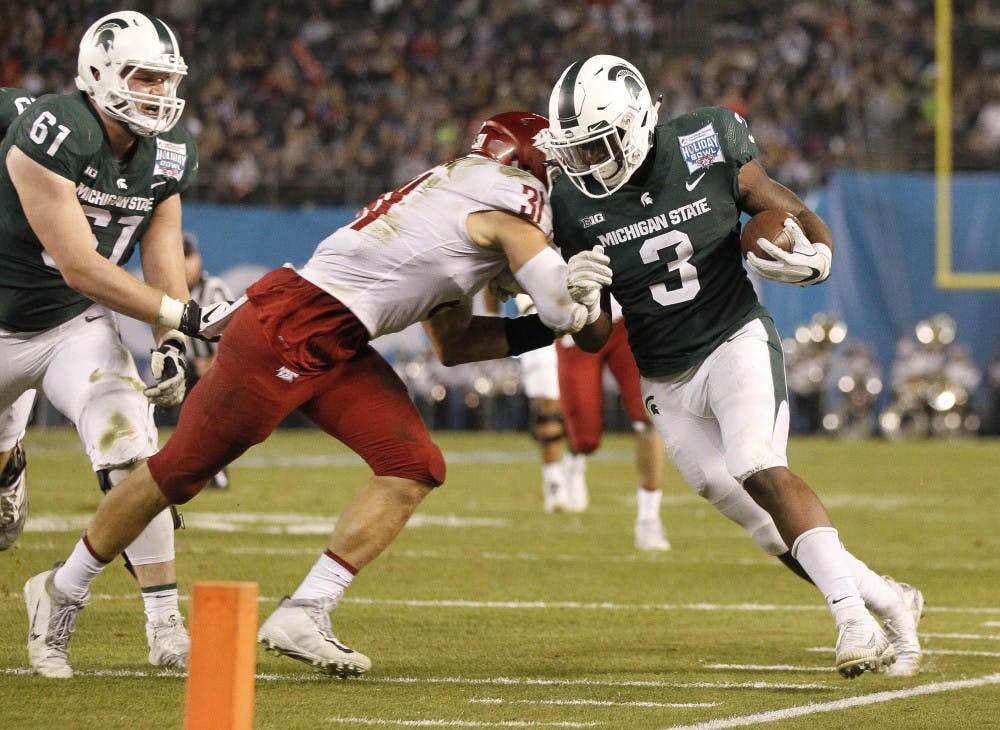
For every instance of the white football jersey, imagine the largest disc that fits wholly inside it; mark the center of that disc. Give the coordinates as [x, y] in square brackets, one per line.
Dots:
[408, 253]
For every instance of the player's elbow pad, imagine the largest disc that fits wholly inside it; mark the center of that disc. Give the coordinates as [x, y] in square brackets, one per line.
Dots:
[543, 277]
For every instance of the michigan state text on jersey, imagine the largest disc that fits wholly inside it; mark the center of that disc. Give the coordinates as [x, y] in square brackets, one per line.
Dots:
[64, 134]
[672, 233]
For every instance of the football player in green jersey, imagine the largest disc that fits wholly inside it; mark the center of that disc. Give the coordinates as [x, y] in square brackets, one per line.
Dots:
[85, 179]
[662, 204]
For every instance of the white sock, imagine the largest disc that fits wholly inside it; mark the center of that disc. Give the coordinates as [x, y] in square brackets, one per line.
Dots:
[875, 592]
[76, 575]
[327, 579]
[649, 503]
[823, 557]
[157, 599]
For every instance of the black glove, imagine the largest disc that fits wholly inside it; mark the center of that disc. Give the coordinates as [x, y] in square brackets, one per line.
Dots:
[206, 323]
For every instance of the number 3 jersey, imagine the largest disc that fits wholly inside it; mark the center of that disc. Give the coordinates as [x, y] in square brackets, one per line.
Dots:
[672, 233]
[408, 253]
[64, 134]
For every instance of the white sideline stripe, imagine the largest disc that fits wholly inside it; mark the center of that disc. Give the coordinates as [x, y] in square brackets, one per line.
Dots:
[973, 637]
[767, 667]
[453, 723]
[844, 704]
[489, 681]
[590, 703]
[535, 605]
[943, 652]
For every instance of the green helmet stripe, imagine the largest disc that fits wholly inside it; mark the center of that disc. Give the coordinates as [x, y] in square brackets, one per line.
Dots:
[567, 109]
[167, 44]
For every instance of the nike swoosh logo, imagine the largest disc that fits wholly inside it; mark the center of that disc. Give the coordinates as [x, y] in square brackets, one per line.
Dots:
[162, 182]
[838, 600]
[33, 636]
[92, 317]
[694, 183]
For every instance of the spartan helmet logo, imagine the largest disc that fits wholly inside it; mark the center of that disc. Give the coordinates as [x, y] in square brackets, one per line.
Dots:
[628, 78]
[106, 33]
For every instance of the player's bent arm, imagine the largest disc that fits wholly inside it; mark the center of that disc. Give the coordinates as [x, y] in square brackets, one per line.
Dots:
[595, 335]
[162, 252]
[759, 191]
[459, 337]
[536, 265]
[54, 213]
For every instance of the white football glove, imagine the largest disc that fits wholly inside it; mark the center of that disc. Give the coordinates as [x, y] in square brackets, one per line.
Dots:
[807, 263]
[170, 370]
[586, 273]
[207, 322]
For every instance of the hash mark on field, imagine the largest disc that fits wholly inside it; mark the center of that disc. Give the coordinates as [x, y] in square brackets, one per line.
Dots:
[591, 703]
[816, 707]
[453, 723]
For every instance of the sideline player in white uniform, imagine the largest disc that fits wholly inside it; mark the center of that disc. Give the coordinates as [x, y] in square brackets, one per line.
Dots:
[86, 179]
[302, 341]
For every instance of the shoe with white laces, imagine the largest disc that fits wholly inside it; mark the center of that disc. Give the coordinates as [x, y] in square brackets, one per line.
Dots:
[651, 535]
[13, 498]
[862, 646]
[901, 627]
[300, 629]
[51, 621]
[169, 643]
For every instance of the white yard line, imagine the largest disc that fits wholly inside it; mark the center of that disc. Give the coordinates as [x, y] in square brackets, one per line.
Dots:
[382, 722]
[814, 708]
[588, 703]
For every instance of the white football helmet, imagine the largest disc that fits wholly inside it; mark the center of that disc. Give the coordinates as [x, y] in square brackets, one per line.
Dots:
[116, 47]
[601, 121]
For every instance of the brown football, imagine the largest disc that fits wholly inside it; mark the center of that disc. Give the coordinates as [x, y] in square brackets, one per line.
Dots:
[767, 224]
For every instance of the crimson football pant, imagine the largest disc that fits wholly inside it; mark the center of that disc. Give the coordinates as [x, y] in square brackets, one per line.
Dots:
[248, 391]
[581, 391]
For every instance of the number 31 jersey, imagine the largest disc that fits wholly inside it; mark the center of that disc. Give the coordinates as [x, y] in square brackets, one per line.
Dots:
[673, 240]
[408, 253]
[64, 134]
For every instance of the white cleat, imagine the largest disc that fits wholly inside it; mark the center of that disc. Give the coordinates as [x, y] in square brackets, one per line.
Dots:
[169, 643]
[51, 621]
[13, 498]
[901, 628]
[301, 630]
[862, 646]
[554, 496]
[650, 535]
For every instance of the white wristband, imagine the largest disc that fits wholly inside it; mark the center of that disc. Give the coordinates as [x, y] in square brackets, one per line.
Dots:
[543, 277]
[171, 312]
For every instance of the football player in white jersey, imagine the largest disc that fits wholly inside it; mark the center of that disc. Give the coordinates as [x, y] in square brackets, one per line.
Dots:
[302, 341]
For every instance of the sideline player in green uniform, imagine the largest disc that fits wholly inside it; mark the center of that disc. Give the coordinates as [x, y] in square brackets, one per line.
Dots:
[85, 179]
[664, 204]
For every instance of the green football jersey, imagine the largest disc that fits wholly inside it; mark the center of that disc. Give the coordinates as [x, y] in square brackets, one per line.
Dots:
[672, 233]
[13, 101]
[64, 134]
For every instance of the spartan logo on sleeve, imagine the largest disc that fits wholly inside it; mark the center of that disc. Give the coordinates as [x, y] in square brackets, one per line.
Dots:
[701, 149]
[171, 158]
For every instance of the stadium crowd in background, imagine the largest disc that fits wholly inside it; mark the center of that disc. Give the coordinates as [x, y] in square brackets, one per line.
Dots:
[333, 102]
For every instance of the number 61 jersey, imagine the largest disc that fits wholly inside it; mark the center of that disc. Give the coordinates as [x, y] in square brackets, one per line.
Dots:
[408, 253]
[64, 134]
[672, 233]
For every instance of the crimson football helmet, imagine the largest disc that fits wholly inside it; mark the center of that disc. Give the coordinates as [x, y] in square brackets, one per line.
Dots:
[510, 139]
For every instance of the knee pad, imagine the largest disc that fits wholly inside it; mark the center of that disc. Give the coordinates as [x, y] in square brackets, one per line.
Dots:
[117, 428]
[155, 544]
[547, 428]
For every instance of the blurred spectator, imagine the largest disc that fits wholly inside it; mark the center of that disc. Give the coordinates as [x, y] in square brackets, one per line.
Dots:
[809, 358]
[333, 102]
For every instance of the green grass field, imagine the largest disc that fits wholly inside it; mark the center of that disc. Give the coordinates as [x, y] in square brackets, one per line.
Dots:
[486, 612]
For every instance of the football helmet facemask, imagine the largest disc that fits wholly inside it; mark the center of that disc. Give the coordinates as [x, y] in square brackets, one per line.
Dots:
[601, 123]
[117, 47]
[510, 139]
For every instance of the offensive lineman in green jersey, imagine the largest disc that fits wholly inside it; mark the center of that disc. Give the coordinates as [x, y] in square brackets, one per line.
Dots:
[13, 484]
[664, 203]
[86, 179]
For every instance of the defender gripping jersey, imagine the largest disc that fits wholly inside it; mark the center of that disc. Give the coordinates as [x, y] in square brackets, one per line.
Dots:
[64, 134]
[673, 240]
[409, 254]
